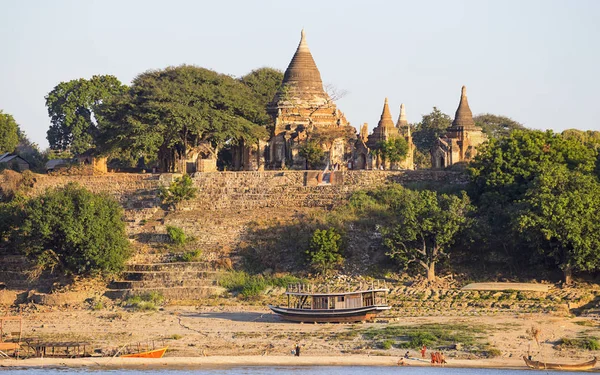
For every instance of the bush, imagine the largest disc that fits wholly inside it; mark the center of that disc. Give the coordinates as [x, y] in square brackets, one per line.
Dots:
[145, 302]
[586, 343]
[176, 235]
[252, 285]
[182, 188]
[387, 344]
[191, 256]
[74, 230]
[324, 251]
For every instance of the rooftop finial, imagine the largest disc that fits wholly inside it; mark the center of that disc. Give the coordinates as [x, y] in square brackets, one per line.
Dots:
[386, 116]
[303, 46]
[463, 91]
[402, 122]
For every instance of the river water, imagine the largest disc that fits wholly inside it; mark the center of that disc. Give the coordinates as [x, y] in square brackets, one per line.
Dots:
[287, 370]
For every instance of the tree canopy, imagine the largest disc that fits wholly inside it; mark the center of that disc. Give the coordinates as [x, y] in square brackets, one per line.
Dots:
[168, 112]
[559, 215]
[9, 133]
[264, 82]
[507, 165]
[393, 150]
[432, 126]
[73, 110]
[74, 230]
[495, 126]
[426, 224]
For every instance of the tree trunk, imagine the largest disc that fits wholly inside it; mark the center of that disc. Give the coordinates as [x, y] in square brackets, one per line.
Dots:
[568, 272]
[431, 272]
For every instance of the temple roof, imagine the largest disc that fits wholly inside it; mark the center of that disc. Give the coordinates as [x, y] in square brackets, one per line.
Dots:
[302, 72]
[386, 117]
[463, 116]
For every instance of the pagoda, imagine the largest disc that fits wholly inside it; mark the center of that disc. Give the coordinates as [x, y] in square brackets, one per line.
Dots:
[303, 111]
[459, 145]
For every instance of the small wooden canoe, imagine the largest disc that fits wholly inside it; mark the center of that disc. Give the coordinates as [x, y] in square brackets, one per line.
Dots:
[538, 365]
[158, 353]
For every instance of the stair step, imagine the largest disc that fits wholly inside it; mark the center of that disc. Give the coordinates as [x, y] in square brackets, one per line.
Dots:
[161, 284]
[167, 275]
[181, 293]
[175, 266]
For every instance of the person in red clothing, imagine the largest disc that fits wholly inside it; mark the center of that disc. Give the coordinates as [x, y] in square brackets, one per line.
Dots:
[423, 350]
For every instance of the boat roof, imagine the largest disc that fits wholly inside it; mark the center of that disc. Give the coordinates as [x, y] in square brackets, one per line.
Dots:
[331, 294]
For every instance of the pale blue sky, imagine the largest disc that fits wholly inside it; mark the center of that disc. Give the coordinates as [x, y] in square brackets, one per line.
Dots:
[535, 61]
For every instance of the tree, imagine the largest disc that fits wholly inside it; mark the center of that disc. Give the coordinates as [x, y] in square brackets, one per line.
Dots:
[172, 111]
[324, 251]
[393, 150]
[507, 165]
[181, 189]
[74, 230]
[431, 127]
[9, 133]
[495, 126]
[426, 224]
[264, 82]
[560, 216]
[313, 154]
[73, 110]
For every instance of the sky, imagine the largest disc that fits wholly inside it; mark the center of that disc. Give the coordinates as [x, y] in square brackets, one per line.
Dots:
[537, 62]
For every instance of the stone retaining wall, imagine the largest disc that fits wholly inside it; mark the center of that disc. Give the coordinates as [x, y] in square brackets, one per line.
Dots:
[247, 190]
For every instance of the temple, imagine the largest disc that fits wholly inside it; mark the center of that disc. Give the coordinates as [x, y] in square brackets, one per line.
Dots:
[459, 145]
[303, 112]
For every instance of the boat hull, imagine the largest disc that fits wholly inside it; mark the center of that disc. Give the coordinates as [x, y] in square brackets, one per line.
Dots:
[158, 353]
[538, 365]
[328, 316]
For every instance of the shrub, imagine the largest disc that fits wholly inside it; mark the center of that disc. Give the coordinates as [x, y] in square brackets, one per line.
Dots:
[252, 285]
[586, 343]
[145, 302]
[313, 153]
[182, 188]
[386, 344]
[191, 256]
[176, 235]
[74, 230]
[324, 251]
[176, 337]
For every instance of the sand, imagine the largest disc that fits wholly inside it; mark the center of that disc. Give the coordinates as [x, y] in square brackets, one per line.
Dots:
[240, 335]
[235, 361]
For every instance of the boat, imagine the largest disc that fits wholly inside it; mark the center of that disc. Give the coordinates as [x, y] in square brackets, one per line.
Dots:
[539, 365]
[156, 353]
[305, 304]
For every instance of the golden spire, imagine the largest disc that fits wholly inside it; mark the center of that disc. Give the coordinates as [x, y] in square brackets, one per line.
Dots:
[463, 116]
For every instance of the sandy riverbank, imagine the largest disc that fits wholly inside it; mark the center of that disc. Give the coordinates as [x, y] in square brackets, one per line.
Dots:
[226, 361]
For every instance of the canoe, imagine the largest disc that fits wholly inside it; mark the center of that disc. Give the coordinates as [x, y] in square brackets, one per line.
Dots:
[158, 353]
[538, 365]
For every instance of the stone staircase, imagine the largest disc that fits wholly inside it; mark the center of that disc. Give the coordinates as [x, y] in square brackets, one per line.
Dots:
[174, 281]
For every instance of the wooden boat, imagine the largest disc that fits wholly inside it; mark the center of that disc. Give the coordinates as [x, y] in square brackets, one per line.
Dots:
[307, 305]
[157, 353]
[538, 365]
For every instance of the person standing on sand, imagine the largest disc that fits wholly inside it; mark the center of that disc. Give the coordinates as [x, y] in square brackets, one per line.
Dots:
[423, 350]
[297, 350]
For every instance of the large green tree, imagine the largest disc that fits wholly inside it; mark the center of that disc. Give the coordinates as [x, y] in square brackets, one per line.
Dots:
[507, 165]
[495, 126]
[73, 110]
[432, 126]
[9, 133]
[559, 215]
[264, 82]
[171, 111]
[74, 230]
[426, 225]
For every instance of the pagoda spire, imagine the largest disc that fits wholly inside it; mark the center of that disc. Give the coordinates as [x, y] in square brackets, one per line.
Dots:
[464, 116]
[386, 116]
[402, 123]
